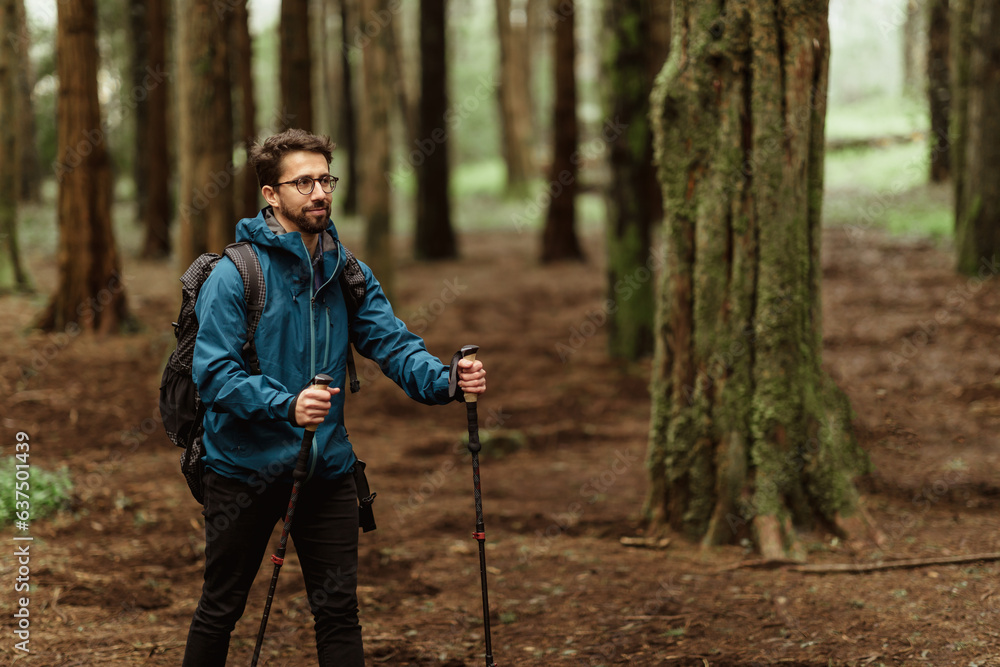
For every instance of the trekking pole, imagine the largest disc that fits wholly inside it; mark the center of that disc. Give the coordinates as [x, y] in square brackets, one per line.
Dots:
[319, 381]
[469, 352]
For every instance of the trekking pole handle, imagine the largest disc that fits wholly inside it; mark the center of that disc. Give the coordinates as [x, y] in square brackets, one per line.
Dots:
[469, 352]
[320, 381]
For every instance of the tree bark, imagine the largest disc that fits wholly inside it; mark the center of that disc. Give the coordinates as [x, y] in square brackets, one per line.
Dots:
[248, 197]
[29, 165]
[633, 197]
[915, 48]
[153, 136]
[434, 238]
[374, 112]
[139, 37]
[559, 240]
[515, 92]
[960, 48]
[938, 88]
[978, 231]
[90, 294]
[205, 130]
[348, 136]
[296, 65]
[12, 274]
[749, 436]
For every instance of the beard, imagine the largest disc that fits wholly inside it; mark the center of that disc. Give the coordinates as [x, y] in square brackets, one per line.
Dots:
[304, 221]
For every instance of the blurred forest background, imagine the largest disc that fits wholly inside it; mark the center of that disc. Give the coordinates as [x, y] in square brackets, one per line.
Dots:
[878, 92]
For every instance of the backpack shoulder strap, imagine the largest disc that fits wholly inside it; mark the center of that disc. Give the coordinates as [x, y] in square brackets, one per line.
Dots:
[254, 292]
[352, 284]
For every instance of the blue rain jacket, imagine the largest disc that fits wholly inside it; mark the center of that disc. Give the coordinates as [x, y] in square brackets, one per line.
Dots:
[248, 434]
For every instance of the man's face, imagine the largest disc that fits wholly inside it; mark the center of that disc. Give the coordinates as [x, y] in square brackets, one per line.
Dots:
[304, 213]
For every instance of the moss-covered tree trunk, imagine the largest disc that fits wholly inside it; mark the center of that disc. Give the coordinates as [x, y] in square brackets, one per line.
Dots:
[977, 230]
[939, 88]
[748, 436]
[89, 293]
[632, 43]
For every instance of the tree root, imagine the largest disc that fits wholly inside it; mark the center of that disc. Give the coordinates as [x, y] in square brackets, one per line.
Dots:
[859, 568]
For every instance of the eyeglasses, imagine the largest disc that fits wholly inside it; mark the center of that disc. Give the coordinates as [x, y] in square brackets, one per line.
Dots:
[305, 184]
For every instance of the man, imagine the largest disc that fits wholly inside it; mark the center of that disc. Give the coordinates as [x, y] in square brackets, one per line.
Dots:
[253, 429]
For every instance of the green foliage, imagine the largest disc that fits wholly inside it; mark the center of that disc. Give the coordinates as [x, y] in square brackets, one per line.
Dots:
[887, 188]
[877, 116]
[48, 492]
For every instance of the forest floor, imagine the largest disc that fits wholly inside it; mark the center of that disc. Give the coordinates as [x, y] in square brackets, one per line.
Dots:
[116, 576]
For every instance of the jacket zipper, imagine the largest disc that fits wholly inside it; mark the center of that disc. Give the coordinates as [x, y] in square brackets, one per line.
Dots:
[314, 453]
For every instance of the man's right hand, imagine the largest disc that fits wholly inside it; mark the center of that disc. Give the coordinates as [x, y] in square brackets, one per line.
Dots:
[313, 404]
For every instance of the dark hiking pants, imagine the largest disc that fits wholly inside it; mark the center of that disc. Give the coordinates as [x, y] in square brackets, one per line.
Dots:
[239, 520]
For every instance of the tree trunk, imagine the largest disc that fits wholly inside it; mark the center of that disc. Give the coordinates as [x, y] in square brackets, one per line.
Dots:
[747, 429]
[318, 46]
[348, 137]
[153, 136]
[205, 129]
[938, 88]
[633, 196]
[139, 36]
[332, 55]
[515, 92]
[296, 65]
[375, 194]
[89, 295]
[960, 48]
[29, 165]
[434, 238]
[978, 231]
[12, 274]
[559, 241]
[408, 111]
[915, 49]
[248, 198]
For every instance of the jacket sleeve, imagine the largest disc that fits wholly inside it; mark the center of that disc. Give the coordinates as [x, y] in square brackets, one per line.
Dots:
[219, 368]
[402, 355]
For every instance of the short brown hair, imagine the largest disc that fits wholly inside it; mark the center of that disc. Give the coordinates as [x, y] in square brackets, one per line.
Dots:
[266, 157]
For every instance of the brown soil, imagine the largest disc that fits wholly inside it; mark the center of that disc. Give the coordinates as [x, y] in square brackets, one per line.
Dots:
[117, 575]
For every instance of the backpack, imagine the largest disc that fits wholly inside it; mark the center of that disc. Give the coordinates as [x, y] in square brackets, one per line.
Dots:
[181, 407]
